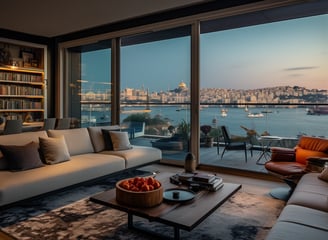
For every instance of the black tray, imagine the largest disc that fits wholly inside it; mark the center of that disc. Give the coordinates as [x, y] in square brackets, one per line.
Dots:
[184, 195]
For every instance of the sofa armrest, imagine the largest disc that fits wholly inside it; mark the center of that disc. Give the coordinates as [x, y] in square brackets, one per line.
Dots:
[279, 154]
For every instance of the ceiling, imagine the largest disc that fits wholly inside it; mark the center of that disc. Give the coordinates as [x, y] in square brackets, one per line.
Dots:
[59, 17]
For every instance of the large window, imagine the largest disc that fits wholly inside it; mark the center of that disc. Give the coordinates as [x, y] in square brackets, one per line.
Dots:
[155, 87]
[90, 84]
[264, 71]
[271, 78]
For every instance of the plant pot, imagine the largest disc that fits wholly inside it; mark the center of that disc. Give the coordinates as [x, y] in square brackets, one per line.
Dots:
[209, 142]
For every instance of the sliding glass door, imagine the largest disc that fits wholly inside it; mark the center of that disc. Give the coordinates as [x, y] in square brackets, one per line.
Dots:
[265, 79]
[155, 87]
[90, 84]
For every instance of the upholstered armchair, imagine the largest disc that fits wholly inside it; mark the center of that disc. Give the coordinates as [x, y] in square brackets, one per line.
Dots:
[291, 164]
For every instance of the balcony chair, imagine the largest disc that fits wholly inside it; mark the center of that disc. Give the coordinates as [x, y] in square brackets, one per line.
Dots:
[234, 142]
[63, 123]
[49, 123]
[290, 164]
[13, 126]
[134, 128]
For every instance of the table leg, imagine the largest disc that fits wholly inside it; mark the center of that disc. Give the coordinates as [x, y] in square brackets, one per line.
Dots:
[130, 220]
[132, 226]
[176, 233]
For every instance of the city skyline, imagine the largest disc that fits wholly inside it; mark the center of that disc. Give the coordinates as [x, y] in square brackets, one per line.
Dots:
[288, 53]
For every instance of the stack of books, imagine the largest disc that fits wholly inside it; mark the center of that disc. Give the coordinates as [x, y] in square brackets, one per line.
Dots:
[210, 182]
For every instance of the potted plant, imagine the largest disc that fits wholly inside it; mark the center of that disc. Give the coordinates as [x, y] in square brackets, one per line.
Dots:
[183, 130]
[206, 129]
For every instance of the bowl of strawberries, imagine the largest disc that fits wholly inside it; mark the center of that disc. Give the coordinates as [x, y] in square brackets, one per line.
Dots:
[139, 192]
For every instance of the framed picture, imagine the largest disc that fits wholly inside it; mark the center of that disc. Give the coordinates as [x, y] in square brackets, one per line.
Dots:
[27, 58]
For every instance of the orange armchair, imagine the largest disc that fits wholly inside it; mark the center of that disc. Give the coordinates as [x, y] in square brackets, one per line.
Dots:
[291, 164]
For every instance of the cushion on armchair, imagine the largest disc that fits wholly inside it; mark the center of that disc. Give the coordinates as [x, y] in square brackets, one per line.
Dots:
[303, 154]
[314, 144]
[279, 154]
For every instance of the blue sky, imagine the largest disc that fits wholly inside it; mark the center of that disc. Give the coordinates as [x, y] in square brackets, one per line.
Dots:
[293, 52]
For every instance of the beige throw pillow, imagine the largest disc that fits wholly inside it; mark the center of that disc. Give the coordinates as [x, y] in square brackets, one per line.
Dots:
[54, 150]
[120, 140]
[324, 175]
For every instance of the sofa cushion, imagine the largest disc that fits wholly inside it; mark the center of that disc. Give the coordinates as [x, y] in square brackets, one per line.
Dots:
[23, 157]
[17, 186]
[285, 168]
[97, 137]
[78, 140]
[294, 231]
[305, 216]
[54, 150]
[138, 155]
[311, 192]
[324, 175]
[120, 140]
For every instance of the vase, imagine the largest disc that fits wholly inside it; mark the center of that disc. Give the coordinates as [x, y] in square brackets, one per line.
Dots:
[190, 163]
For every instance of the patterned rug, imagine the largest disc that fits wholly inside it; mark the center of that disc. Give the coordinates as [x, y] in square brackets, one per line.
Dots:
[244, 216]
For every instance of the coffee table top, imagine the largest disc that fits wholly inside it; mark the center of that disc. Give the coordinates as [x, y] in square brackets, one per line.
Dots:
[183, 215]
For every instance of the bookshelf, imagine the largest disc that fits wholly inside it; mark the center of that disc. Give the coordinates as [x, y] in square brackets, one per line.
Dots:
[22, 81]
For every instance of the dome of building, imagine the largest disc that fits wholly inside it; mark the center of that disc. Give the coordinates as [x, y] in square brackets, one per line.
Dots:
[182, 85]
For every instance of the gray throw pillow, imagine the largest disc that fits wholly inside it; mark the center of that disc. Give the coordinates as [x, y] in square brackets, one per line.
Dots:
[120, 141]
[107, 138]
[19, 158]
[54, 150]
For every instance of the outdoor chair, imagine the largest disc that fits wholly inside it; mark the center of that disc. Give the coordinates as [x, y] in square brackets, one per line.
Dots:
[63, 123]
[290, 164]
[134, 129]
[49, 123]
[261, 147]
[236, 144]
[13, 126]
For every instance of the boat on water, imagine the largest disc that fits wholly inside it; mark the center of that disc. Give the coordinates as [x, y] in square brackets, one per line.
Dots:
[255, 115]
[224, 112]
[266, 111]
[318, 110]
[130, 111]
[181, 109]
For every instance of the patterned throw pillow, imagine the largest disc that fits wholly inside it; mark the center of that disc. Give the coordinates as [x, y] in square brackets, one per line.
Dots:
[19, 158]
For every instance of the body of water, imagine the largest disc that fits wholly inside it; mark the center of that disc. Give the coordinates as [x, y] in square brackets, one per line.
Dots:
[285, 122]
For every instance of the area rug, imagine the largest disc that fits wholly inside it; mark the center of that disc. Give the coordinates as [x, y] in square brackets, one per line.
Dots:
[244, 216]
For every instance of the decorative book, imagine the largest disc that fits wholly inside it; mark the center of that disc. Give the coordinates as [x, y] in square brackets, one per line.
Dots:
[204, 178]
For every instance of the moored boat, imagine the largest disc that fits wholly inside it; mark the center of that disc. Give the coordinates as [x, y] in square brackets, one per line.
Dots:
[318, 110]
[255, 115]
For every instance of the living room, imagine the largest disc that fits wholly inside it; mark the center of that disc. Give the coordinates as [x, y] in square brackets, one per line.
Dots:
[93, 74]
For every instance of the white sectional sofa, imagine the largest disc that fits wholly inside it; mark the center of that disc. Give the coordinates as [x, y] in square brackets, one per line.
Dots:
[88, 159]
[305, 215]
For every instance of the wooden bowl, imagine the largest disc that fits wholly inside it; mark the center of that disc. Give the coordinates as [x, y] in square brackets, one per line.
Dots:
[138, 199]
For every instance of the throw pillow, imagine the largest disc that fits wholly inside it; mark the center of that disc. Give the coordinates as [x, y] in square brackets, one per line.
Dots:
[324, 175]
[120, 140]
[107, 138]
[19, 158]
[54, 150]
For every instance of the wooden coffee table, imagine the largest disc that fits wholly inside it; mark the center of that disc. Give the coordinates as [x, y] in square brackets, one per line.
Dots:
[184, 216]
